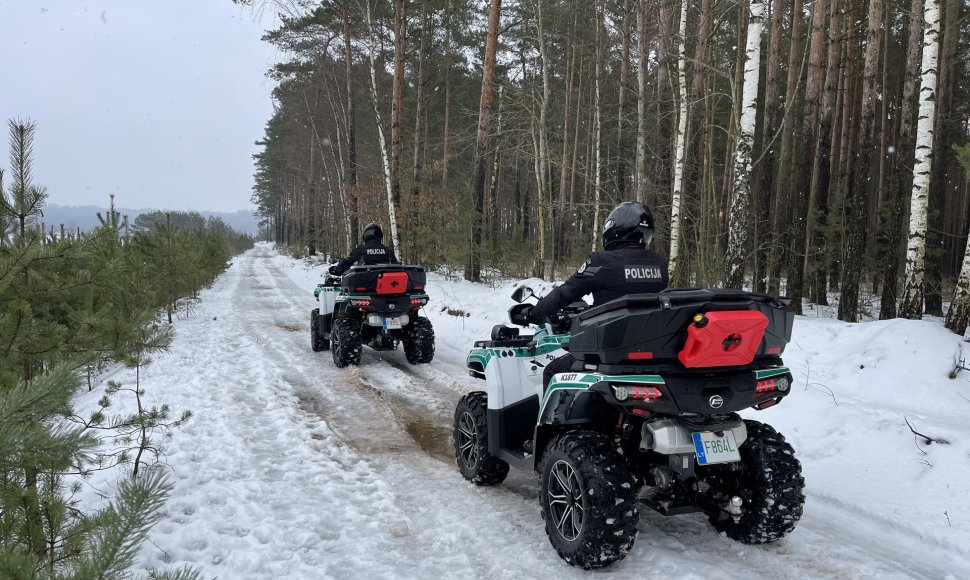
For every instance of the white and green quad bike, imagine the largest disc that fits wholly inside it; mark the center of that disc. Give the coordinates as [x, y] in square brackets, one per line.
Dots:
[647, 416]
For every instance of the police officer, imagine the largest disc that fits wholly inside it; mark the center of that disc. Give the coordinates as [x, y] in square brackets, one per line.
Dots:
[372, 251]
[624, 266]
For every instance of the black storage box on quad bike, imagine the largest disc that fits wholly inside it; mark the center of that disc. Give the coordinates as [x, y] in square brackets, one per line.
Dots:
[383, 279]
[684, 329]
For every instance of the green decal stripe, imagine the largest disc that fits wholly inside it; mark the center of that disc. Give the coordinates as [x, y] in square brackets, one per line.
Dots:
[771, 373]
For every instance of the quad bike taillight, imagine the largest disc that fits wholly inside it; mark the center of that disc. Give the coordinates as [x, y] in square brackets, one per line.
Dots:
[773, 384]
[360, 303]
[636, 393]
[419, 301]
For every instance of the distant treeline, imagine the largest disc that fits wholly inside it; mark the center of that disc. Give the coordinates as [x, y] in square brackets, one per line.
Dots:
[85, 217]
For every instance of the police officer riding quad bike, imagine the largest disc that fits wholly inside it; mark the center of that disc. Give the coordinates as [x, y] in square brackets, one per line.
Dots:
[376, 303]
[646, 412]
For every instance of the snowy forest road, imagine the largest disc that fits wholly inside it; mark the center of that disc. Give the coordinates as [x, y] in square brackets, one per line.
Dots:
[293, 468]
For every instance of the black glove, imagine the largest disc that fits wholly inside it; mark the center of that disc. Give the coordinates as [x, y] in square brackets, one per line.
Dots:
[334, 271]
[527, 312]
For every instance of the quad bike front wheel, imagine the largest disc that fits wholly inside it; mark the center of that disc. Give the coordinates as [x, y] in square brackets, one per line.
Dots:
[588, 499]
[419, 341]
[317, 340]
[346, 346]
[477, 465]
[770, 485]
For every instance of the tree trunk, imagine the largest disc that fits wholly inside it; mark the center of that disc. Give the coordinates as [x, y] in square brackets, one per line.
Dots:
[902, 182]
[741, 197]
[802, 178]
[823, 158]
[943, 147]
[857, 195]
[416, 209]
[541, 146]
[677, 276]
[642, 63]
[780, 204]
[445, 153]
[597, 127]
[473, 271]
[958, 316]
[763, 178]
[351, 126]
[620, 175]
[391, 205]
[911, 305]
[397, 106]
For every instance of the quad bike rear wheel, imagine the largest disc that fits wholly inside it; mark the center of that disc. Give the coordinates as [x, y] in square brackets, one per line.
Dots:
[770, 484]
[588, 499]
[477, 465]
[317, 340]
[346, 347]
[418, 341]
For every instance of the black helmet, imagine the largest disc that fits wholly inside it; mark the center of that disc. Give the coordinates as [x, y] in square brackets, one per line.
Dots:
[629, 222]
[372, 231]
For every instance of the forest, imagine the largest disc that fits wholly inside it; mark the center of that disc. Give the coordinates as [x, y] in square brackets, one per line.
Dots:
[815, 149]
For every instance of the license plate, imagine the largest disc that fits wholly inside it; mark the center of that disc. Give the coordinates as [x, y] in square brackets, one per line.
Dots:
[713, 449]
[392, 323]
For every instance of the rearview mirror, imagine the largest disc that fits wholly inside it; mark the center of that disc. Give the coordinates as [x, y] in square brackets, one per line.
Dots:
[521, 293]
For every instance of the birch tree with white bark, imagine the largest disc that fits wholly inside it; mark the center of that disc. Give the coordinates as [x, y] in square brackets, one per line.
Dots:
[911, 305]
[741, 194]
[681, 148]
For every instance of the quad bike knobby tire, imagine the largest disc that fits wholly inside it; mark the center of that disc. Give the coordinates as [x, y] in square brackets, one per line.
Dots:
[419, 341]
[345, 338]
[771, 484]
[588, 499]
[317, 341]
[477, 465]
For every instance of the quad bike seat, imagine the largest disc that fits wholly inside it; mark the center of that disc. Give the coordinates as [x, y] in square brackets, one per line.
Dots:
[383, 279]
[684, 330]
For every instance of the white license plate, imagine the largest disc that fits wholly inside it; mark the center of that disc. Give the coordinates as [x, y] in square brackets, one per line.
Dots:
[392, 323]
[713, 449]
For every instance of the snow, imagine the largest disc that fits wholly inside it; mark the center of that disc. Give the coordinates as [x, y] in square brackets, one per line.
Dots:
[292, 468]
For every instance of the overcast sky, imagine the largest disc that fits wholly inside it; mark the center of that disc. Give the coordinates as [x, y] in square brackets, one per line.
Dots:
[156, 101]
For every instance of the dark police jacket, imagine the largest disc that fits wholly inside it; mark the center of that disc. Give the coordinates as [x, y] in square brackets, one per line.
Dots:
[608, 275]
[370, 252]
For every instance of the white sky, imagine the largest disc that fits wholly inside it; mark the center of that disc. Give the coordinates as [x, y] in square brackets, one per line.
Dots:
[156, 101]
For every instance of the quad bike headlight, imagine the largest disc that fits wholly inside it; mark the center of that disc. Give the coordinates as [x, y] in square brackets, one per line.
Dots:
[621, 393]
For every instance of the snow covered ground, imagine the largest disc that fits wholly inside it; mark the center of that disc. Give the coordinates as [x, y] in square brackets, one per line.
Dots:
[292, 468]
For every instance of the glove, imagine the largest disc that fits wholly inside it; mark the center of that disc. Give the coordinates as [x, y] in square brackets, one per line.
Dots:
[527, 312]
[334, 271]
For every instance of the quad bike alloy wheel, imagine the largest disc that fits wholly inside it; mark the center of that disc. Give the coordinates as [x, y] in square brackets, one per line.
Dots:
[477, 465]
[588, 499]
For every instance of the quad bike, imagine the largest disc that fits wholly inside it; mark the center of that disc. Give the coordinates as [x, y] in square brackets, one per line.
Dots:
[647, 416]
[375, 305]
